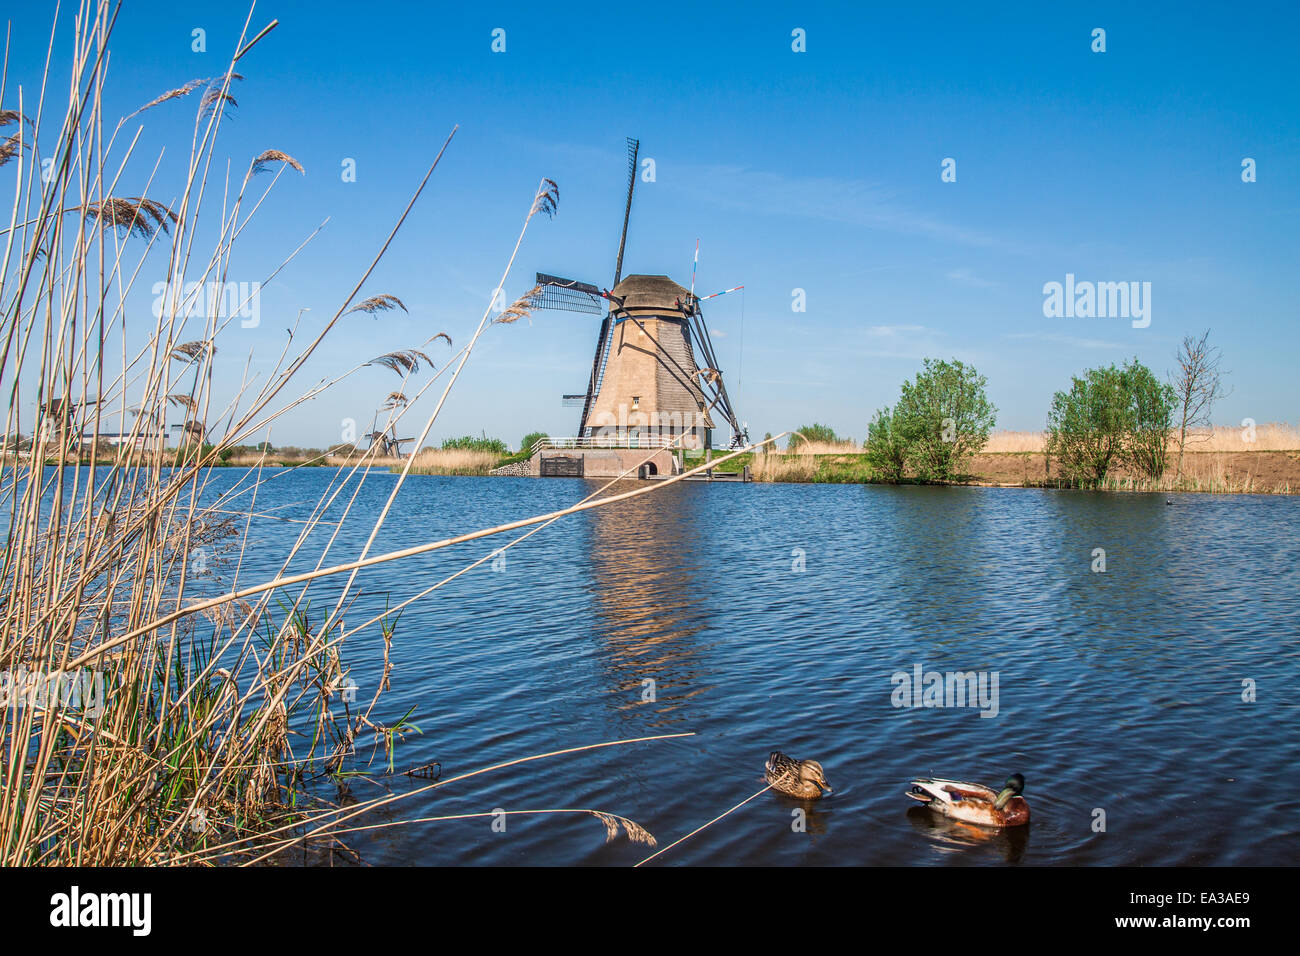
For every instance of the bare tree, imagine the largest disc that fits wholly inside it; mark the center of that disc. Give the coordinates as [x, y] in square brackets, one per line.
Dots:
[1198, 384]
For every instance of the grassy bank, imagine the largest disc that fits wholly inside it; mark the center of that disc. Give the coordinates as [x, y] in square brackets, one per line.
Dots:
[1218, 472]
[1219, 460]
[1257, 472]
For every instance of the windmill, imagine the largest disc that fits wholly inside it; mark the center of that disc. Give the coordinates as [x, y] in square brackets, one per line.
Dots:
[390, 446]
[58, 422]
[646, 385]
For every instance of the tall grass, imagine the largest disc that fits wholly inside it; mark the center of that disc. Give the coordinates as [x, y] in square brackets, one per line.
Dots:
[454, 461]
[223, 708]
[836, 463]
[1272, 436]
[846, 447]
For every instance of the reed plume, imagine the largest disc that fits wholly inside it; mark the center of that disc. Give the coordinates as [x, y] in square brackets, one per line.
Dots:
[379, 303]
[221, 728]
[263, 162]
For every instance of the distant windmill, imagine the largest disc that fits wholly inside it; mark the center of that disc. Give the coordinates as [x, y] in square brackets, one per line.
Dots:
[59, 420]
[645, 378]
[390, 446]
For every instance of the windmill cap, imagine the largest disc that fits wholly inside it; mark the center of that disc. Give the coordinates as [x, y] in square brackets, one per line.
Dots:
[651, 293]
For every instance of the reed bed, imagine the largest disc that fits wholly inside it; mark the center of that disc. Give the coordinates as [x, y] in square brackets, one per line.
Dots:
[454, 461]
[1003, 442]
[159, 706]
[806, 461]
[783, 468]
[847, 447]
[1211, 472]
[839, 467]
[1272, 436]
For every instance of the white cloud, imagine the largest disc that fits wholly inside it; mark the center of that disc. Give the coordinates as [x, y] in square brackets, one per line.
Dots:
[968, 277]
[894, 331]
[1060, 338]
[852, 201]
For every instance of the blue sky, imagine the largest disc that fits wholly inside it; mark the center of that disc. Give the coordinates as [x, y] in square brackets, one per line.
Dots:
[817, 171]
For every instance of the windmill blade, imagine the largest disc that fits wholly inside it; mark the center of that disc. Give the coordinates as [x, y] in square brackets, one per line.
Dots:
[597, 371]
[715, 382]
[566, 295]
[694, 266]
[633, 147]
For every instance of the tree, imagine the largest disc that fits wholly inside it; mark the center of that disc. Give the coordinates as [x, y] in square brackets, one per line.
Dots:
[1198, 384]
[1087, 425]
[886, 450]
[527, 442]
[1151, 410]
[1110, 416]
[943, 417]
[813, 434]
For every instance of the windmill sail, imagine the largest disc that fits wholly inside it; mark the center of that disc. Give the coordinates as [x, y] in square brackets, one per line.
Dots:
[566, 295]
[633, 147]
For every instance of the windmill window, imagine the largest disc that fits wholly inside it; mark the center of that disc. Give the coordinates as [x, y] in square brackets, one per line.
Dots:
[636, 401]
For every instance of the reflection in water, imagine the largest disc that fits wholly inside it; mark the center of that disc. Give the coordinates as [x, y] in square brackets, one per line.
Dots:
[816, 813]
[647, 600]
[951, 836]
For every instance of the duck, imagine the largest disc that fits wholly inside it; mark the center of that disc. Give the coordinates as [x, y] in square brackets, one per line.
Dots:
[804, 779]
[975, 803]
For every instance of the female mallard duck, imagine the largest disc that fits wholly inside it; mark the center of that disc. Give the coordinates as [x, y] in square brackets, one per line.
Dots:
[797, 778]
[973, 803]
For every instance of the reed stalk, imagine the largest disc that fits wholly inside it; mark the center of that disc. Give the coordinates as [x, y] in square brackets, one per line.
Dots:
[214, 716]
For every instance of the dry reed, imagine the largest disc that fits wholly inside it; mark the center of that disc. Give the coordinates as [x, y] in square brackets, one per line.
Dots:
[454, 461]
[1272, 436]
[218, 719]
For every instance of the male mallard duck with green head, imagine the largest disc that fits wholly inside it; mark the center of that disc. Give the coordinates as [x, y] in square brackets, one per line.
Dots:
[975, 803]
[796, 778]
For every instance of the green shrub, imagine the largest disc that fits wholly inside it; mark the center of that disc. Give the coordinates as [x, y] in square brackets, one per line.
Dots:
[526, 443]
[886, 449]
[1087, 426]
[942, 418]
[1111, 416]
[812, 434]
[1151, 419]
[473, 443]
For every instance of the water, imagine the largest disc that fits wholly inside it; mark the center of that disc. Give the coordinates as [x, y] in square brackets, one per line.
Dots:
[1118, 691]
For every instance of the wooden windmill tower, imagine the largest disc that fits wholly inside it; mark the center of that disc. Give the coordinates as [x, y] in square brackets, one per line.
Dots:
[654, 379]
